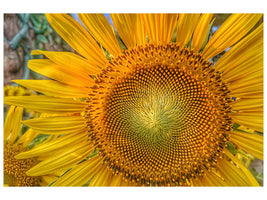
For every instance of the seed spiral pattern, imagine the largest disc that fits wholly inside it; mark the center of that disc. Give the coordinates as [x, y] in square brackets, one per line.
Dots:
[159, 115]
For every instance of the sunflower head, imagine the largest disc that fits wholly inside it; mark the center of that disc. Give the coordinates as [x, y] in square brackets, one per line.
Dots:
[15, 170]
[159, 112]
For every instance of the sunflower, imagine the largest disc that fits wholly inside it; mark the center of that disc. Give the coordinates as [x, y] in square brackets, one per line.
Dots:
[157, 112]
[16, 90]
[14, 169]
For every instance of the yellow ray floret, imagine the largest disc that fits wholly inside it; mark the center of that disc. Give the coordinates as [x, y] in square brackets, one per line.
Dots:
[201, 32]
[251, 85]
[54, 88]
[68, 158]
[185, 28]
[159, 27]
[57, 125]
[13, 124]
[243, 172]
[231, 174]
[70, 61]
[250, 113]
[209, 178]
[27, 137]
[60, 72]
[47, 104]
[80, 174]
[239, 61]
[48, 148]
[249, 142]
[101, 30]
[129, 29]
[77, 37]
[231, 31]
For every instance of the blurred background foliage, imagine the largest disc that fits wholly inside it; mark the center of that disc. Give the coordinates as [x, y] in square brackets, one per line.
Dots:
[22, 34]
[26, 32]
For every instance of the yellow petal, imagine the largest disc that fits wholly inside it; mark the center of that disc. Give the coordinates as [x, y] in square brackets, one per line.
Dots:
[53, 146]
[61, 73]
[249, 116]
[231, 31]
[251, 66]
[253, 125]
[233, 176]
[249, 142]
[81, 173]
[248, 104]
[159, 27]
[46, 104]
[55, 88]
[67, 158]
[102, 177]
[208, 179]
[99, 27]
[57, 125]
[250, 120]
[140, 30]
[244, 172]
[213, 180]
[185, 28]
[58, 172]
[48, 179]
[27, 137]
[125, 24]
[248, 95]
[244, 87]
[244, 59]
[13, 124]
[71, 61]
[16, 123]
[254, 78]
[250, 113]
[77, 37]
[200, 32]
[9, 122]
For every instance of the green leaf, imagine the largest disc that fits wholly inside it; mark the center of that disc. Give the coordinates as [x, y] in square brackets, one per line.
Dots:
[230, 147]
[42, 38]
[235, 126]
[93, 153]
[258, 176]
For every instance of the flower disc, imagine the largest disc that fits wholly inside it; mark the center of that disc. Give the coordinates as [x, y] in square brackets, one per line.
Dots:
[15, 170]
[159, 115]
